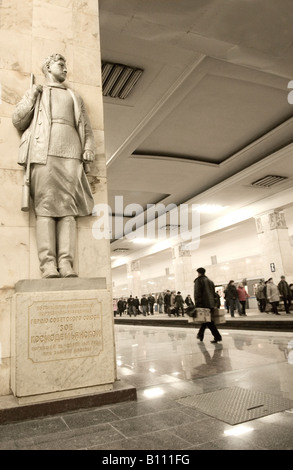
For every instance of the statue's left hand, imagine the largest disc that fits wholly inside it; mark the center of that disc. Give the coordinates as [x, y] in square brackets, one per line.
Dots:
[88, 156]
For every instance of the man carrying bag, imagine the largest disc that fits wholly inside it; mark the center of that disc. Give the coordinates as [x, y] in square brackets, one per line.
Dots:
[205, 303]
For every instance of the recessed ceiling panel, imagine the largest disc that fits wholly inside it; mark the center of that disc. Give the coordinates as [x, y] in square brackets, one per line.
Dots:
[218, 118]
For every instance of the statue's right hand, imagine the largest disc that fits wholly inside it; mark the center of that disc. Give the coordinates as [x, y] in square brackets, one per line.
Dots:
[36, 89]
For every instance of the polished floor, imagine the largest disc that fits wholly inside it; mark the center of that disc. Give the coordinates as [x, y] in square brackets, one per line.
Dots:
[166, 364]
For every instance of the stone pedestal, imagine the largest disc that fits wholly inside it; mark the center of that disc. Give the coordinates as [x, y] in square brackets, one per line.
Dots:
[62, 339]
[52, 359]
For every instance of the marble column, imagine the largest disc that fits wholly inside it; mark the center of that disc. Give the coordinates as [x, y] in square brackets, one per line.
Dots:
[30, 31]
[274, 241]
[133, 278]
[181, 259]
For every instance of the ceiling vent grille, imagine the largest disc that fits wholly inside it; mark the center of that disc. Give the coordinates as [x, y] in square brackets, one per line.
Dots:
[268, 181]
[118, 80]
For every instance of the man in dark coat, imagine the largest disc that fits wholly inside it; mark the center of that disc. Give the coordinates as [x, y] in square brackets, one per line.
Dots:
[204, 297]
[285, 293]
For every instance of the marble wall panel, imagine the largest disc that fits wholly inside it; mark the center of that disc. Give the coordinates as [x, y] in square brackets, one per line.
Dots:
[8, 146]
[99, 165]
[86, 30]
[86, 6]
[63, 3]
[16, 15]
[14, 84]
[5, 300]
[34, 269]
[87, 66]
[93, 256]
[12, 56]
[10, 207]
[14, 255]
[52, 22]
[5, 377]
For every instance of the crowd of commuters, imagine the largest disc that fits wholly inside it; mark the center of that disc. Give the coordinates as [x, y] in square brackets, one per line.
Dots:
[172, 303]
[168, 302]
[235, 298]
[269, 295]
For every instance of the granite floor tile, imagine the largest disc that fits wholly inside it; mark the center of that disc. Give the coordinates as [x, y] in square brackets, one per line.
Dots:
[130, 410]
[232, 443]
[269, 437]
[87, 418]
[151, 422]
[152, 441]
[199, 432]
[78, 439]
[27, 429]
[166, 364]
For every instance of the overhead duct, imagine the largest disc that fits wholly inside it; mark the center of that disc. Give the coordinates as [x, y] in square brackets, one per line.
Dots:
[268, 181]
[118, 80]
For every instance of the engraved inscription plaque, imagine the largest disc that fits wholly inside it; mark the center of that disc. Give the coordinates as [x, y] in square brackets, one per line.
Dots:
[64, 329]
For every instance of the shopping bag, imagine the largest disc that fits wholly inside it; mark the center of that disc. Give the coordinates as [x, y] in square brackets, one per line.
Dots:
[203, 315]
[218, 316]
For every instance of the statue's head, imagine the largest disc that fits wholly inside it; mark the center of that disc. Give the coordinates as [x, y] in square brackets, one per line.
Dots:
[49, 60]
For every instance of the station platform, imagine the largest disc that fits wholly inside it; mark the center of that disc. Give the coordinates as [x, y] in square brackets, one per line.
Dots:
[236, 395]
[254, 320]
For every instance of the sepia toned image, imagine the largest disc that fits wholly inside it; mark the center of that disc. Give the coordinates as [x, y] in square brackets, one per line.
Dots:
[146, 220]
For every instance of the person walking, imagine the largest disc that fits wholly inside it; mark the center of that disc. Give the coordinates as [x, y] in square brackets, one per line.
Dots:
[285, 293]
[242, 297]
[204, 297]
[273, 295]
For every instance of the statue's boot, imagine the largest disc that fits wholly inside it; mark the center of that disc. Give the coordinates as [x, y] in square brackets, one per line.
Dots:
[46, 245]
[66, 234]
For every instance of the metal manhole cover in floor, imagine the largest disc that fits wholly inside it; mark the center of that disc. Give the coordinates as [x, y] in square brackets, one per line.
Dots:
[236, 405]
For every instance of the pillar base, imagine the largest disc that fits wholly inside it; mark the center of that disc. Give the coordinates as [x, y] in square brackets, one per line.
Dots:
[11, 410]
[62, 339]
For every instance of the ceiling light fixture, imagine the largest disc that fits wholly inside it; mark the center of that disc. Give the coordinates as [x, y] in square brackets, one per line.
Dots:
[118, 80]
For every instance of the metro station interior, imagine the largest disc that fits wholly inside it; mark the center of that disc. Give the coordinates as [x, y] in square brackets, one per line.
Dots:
[205, 123]
[207, 126]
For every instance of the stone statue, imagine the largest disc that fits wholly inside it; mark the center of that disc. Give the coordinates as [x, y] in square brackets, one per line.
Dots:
[57, 143]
